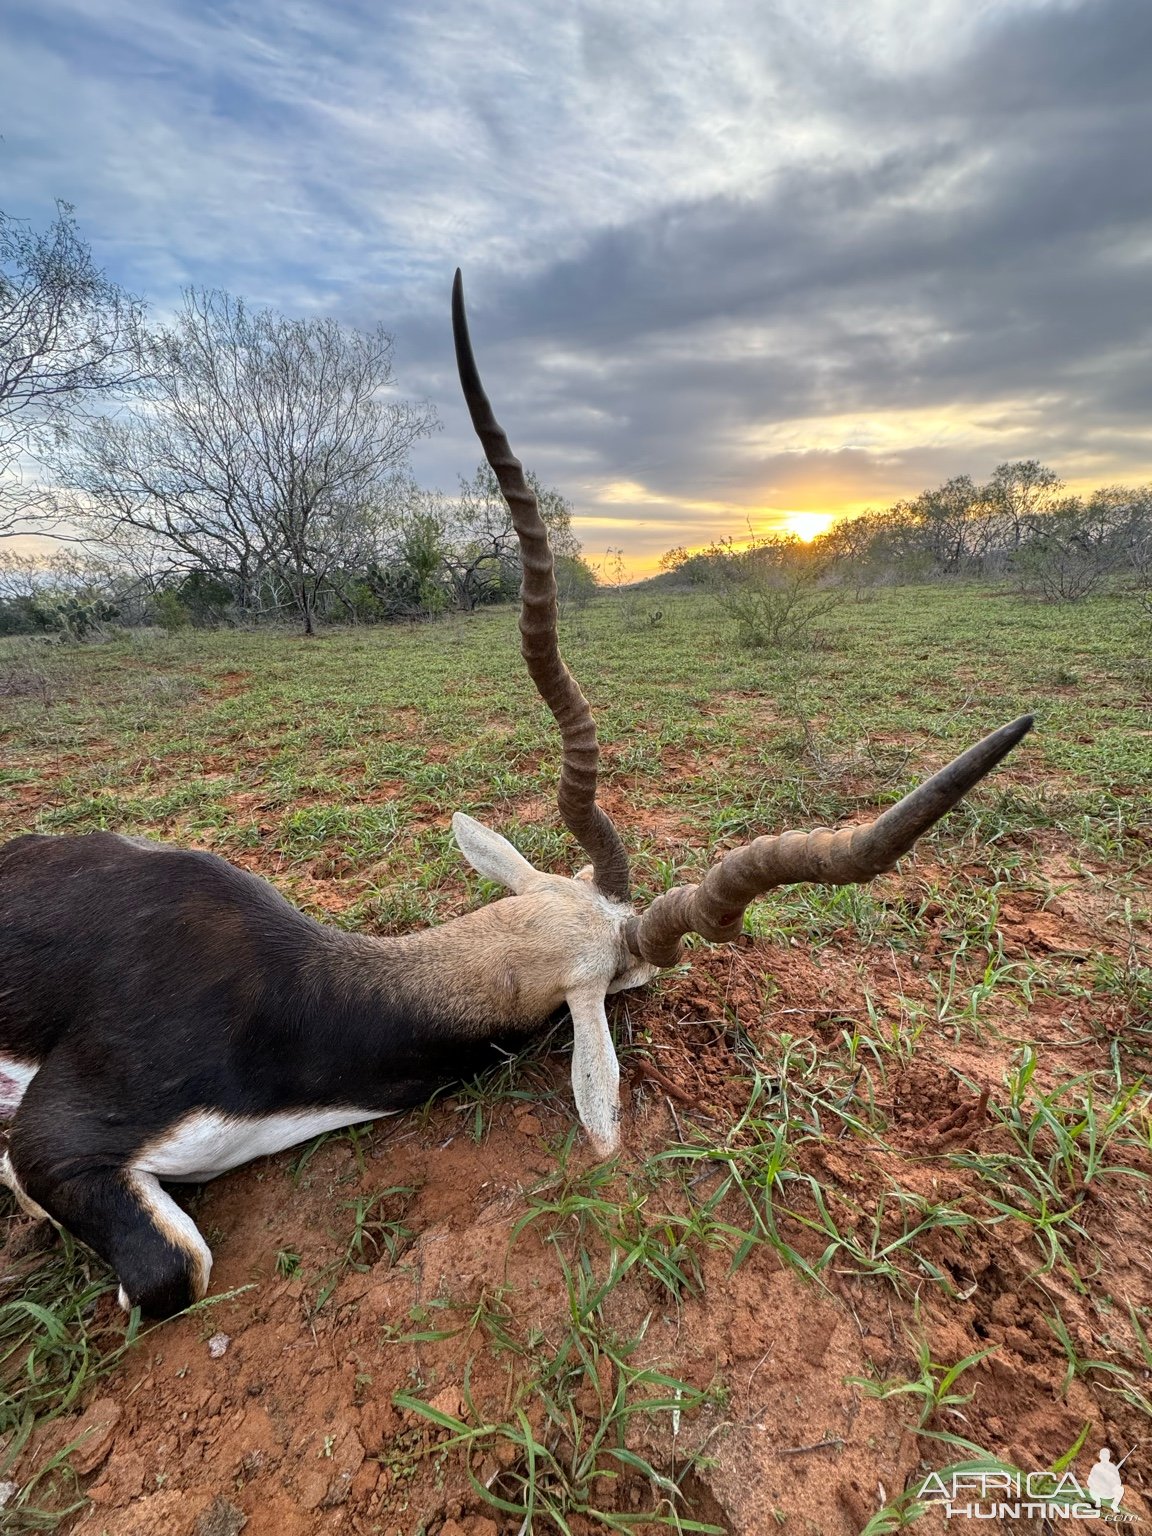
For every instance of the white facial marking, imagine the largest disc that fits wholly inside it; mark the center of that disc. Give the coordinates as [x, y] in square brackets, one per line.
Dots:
[14, 1079]
[206, 1143]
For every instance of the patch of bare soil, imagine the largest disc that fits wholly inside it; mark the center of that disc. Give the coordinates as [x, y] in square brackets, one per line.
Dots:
[288, 1427]
[226, 685]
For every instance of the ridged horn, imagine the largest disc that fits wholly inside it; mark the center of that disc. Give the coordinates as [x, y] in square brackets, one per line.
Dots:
[715, 908]
[586, 821]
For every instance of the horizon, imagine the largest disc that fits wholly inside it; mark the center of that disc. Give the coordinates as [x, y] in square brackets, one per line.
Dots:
[724, 274]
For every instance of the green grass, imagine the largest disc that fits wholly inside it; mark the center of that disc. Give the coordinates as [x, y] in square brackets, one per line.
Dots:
[52, 1350]
[350, 751]
[931, 1388]
[333, 766]
[565, 1439]
[59, 1337]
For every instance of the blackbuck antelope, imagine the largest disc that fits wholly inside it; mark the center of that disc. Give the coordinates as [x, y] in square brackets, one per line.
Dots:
[165, 1016]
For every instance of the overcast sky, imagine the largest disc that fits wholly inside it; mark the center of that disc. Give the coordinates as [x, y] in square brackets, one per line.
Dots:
[725, 262]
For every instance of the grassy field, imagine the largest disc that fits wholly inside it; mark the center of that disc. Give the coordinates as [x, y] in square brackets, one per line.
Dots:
[883, 1203]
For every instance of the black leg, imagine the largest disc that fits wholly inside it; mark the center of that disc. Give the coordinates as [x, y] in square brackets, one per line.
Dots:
[159, 1257]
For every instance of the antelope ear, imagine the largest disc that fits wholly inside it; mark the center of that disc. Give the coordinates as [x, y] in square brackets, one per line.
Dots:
[595, 1070]
[491, 855]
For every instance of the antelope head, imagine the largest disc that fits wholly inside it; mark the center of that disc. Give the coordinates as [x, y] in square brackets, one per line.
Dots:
[583, 932]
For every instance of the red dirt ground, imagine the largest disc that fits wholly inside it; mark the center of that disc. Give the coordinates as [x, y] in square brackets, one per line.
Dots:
[292, 1430]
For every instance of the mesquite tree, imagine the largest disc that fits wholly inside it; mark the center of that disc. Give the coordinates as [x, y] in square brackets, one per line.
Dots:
[259, 449]
[480, 551]
[67, 339]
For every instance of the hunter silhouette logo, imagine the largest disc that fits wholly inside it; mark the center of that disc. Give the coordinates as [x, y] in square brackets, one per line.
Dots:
[1104, 1481]
[1001, 1494]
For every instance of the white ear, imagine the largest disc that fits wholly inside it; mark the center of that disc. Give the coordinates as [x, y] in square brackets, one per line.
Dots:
[491, 855]
[595, 1070]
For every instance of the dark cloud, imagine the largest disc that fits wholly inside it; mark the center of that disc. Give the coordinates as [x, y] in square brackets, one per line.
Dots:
[740, 256]
[997, 250]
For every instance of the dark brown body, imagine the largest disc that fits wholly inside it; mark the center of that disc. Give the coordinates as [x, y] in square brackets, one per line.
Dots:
[146, 983]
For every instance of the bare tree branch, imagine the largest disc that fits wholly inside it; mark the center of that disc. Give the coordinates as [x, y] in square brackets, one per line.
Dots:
[257, 448]
[67, 339]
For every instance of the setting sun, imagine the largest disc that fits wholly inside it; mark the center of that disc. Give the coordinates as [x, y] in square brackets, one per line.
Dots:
[808, 525]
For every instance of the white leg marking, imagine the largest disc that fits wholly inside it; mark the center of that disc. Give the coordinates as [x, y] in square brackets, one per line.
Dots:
[595, 1070]
[176, 1225]
[23, 1200]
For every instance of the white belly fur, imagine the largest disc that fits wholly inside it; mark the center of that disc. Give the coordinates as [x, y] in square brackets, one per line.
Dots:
[207, 1143]
[14, 1079]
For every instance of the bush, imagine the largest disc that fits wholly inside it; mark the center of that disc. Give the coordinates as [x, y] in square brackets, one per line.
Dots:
[24, 616]
[575, 581]
[208, 600]
[772, 591]
[84, 618]
[1068, 555]
[403, 590]
[170, 612]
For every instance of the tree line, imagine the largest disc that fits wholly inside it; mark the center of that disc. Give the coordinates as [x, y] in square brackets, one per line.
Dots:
[234, 464]
[1020, 526]
[230, 463]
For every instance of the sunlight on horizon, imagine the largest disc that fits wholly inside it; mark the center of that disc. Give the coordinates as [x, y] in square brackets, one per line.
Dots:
[808, 525]
[643, 542]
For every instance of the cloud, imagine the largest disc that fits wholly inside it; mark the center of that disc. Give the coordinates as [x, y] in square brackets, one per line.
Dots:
[748, 258]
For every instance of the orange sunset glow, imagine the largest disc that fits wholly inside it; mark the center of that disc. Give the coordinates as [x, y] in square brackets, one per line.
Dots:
[808, 525]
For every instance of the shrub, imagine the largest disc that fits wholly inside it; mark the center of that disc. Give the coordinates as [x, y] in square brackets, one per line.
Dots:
[772, 592]
[1068, 554]
[170, 613]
